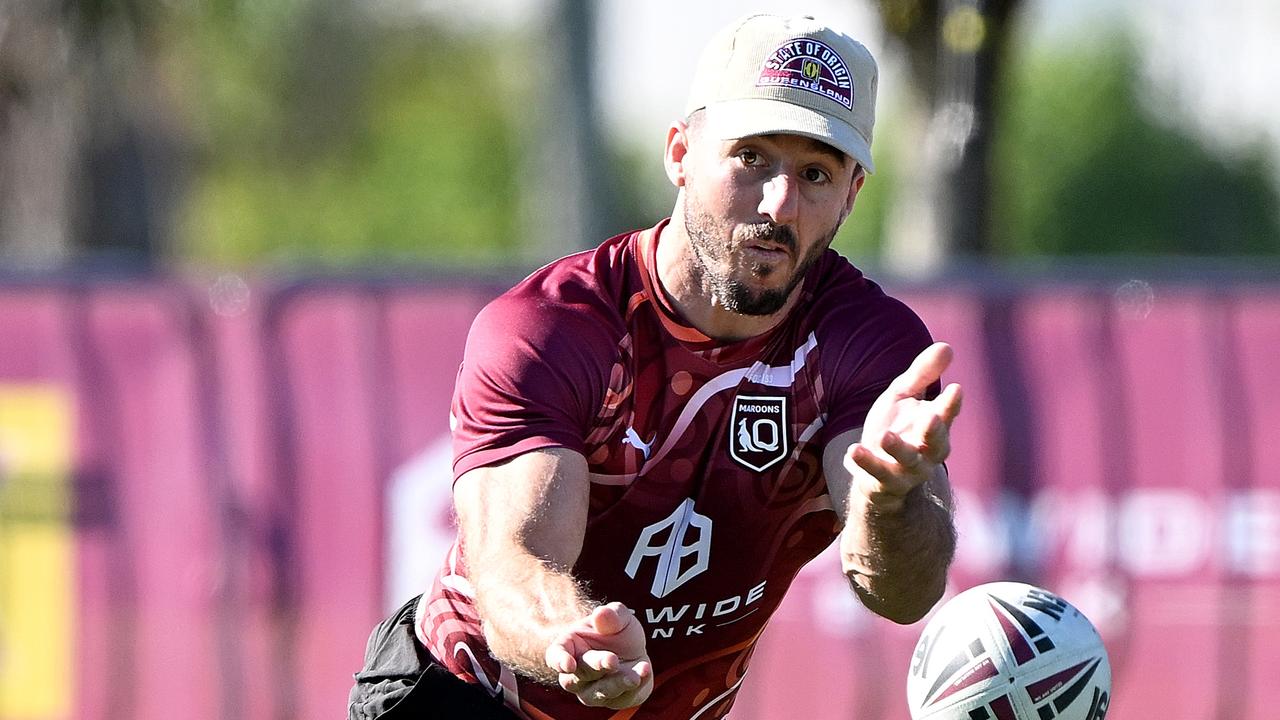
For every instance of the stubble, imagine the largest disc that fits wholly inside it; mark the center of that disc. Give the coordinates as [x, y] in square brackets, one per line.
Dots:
[714, 247]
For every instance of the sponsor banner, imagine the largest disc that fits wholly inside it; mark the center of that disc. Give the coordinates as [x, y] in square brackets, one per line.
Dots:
[1125, 461]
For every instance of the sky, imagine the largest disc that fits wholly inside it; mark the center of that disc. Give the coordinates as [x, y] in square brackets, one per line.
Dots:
[1219, 63]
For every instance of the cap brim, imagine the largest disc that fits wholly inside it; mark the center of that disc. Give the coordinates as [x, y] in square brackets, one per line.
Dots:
[733, 119]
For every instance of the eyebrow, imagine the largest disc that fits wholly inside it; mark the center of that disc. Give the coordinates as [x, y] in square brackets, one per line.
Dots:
[840, 157]
[830, 151]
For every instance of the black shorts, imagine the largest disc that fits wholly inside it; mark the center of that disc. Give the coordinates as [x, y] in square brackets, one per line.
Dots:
[402, 681]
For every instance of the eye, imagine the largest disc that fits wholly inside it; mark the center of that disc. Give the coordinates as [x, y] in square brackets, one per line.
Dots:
[816, 175]
[748, 157]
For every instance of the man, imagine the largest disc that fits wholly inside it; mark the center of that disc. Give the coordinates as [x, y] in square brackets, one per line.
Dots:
[652, 437]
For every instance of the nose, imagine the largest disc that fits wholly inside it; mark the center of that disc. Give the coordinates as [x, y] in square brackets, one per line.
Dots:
[780, 201]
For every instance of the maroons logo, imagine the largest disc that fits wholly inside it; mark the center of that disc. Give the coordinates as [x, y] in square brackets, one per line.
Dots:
[758, 431]
[811, 66]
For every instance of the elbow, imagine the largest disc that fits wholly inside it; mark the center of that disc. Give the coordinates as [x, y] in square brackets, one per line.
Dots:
[905, 613]
[909, 613]
[905, 607]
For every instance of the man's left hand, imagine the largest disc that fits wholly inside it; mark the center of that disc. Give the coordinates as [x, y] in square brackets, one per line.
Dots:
[905, 438]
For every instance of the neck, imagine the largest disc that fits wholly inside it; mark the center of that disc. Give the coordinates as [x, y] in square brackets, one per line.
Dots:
[681, 282]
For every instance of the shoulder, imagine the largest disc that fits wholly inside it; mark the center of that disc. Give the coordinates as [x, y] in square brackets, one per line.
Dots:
[573, 304]
[538, 359]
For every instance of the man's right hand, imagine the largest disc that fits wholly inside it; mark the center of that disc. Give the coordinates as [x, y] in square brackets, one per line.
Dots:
[602, 659]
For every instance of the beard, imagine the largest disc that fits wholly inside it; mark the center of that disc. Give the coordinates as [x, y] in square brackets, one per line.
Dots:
[714, 242]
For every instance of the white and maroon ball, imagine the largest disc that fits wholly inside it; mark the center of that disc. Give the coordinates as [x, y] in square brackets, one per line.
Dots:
[1009, 651]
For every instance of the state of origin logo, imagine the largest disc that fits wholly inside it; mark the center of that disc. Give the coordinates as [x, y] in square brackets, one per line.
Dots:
[811, 66]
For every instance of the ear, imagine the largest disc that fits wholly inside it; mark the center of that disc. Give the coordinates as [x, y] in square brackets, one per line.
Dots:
[859, 177]
[677, 152]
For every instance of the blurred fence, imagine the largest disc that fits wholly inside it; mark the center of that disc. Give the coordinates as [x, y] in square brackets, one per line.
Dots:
[206, 501]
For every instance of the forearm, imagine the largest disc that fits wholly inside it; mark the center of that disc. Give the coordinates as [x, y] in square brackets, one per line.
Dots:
[897, 557]
[522, 525]
[525, 603]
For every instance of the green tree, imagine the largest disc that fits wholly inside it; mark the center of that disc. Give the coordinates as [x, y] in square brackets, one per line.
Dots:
[861, 236]
[331, 138]
[1084, 168]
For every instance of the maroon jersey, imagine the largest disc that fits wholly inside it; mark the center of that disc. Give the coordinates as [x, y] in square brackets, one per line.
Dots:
[705, 458]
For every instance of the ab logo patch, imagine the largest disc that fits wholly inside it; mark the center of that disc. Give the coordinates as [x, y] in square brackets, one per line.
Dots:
[758, 431]
[672, 570]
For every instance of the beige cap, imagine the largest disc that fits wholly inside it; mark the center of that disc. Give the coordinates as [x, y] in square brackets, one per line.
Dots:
[767, 74]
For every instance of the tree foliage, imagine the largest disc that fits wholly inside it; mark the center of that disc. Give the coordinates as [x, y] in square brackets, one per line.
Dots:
[323, 135]
[349, 141]
[1085, 167]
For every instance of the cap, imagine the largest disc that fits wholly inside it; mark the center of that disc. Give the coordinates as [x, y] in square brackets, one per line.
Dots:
[768, 74]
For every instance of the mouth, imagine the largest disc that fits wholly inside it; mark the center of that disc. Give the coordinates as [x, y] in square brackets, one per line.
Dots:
[768, 243]
[766, 252]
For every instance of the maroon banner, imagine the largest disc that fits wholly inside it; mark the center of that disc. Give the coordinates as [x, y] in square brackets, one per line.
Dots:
[206, 503]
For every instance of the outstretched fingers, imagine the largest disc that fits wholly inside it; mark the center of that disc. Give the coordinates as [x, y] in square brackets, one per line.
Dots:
[900, 465]
[925, 370]
[948, 403]
[928, 424]
[888, 471]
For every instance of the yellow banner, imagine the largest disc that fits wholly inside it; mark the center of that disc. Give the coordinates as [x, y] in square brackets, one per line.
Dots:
[36, 553]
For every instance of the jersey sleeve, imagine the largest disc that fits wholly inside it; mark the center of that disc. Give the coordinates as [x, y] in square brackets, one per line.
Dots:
[533, 376]
[868, 355]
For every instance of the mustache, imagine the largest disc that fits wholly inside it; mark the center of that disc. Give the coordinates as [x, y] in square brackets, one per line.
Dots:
[772, 232]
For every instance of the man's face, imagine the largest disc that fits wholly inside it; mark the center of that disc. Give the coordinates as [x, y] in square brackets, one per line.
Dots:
[759, 211]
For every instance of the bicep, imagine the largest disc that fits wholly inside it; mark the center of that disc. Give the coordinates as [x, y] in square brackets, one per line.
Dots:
[534, 504]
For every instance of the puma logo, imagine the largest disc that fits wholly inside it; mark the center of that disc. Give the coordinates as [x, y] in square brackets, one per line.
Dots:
[633, 439]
